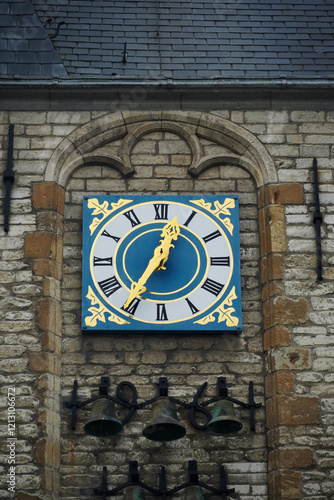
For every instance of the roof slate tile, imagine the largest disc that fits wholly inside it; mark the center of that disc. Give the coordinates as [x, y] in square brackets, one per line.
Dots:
[180, 39]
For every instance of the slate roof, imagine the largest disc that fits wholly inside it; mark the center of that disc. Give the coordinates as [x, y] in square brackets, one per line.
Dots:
[25, 46]
[167, 39]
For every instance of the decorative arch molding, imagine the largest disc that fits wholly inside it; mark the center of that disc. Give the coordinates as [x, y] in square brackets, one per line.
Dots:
[81, 147]
[183, 130]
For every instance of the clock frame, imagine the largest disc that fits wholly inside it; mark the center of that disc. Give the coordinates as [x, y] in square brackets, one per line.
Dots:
[197, 288]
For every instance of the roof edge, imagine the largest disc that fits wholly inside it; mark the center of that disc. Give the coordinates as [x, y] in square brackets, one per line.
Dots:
[169, 83]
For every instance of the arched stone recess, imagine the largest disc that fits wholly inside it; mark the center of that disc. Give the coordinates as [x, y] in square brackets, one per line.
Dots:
[85, 146]
[88, 145]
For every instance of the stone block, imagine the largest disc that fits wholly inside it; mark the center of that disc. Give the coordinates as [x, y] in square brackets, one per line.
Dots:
[49, 315]
[277, 336]
[290, 458]
[292, 410]
[281, 382]
[50, 221]
[42, 245]
[283, 150]
[266, 116]
[39, 130]
[308, 116]
[27, 118]
[147, 185]
[51, 288]
[154, 358]
[285, 485]
[283, 194]
[181, 160]
[41, 362]
[288, 311]
[272, 267]
[272, 229]
[284, 311]
[271, 289]
[45, 267]
[312, 151]
[290, 359]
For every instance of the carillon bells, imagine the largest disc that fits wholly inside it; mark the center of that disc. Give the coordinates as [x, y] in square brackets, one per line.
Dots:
[164, 425]
[194, 492]
[103, 421]
[135, 492]
[224, 420]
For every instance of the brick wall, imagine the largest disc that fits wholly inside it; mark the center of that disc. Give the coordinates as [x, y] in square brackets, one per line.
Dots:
[285, 348]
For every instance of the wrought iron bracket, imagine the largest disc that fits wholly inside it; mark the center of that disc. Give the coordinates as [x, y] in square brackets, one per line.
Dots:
[162, 490]
[8, 177]
[194, 406]
[317, 219]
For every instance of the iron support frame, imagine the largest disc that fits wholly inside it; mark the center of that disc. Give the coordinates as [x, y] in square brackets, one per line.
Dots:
[194, 406]
[162, 490]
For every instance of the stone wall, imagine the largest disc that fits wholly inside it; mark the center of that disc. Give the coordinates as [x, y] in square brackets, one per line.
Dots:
[285, 347]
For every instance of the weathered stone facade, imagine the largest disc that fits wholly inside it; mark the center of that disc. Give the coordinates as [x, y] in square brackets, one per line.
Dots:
[286, 346]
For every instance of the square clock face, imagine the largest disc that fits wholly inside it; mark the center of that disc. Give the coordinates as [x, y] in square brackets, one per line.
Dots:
[166, 263]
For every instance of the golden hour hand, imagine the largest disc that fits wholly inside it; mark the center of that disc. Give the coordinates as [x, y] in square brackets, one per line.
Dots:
[169, 233]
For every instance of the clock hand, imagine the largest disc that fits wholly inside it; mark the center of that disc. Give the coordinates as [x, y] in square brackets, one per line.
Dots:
[169, 233]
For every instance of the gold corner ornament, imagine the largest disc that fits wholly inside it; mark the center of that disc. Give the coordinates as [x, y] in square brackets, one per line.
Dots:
[220, 209]
[223, 314]
[103, 210]
[98, 312]
[170, 232]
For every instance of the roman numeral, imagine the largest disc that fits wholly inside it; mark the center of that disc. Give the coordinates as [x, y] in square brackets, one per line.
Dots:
[109, 286]
[133, 306]
[212, 286]
[161, 210]
[105, 233]
[190, 218]
[211, 236]
[192, 307]
[99, 261]
[132, 217]
[220, 261]
[161, 312]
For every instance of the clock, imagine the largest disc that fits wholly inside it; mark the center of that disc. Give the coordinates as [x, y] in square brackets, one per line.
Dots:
[166, 263]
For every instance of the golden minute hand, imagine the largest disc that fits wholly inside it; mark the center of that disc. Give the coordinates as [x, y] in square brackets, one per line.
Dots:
[169, 233]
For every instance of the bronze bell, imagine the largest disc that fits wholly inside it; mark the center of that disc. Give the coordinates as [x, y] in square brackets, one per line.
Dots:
[164, 425]
[103, 421]
[223, 419]
[194, 492]
[135, 492]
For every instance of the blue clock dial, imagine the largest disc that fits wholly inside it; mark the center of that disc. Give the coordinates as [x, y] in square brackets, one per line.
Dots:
[135, 250]
[161, 263]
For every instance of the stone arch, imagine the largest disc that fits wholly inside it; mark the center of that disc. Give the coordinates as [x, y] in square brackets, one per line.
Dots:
[82, 146]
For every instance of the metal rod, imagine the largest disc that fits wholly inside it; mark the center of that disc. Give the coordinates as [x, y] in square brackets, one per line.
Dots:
[57, 30]
[252, 406]
[104, 484]
[223, 486]
[163, 491]
[103, 389]
[74, 403]
[124, 54]
[317, 219]
[8, 177]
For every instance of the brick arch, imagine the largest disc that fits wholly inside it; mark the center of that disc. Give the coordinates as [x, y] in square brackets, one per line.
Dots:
[81, 146]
